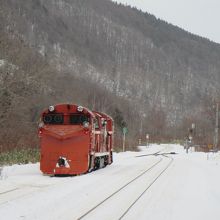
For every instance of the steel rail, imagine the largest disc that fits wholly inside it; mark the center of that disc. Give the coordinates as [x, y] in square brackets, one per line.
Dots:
[146, 189]
[117, 191]
[8, 191]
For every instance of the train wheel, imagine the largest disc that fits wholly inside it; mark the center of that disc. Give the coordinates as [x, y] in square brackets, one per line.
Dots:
[106, 160]
[111, 158]
[96, 163]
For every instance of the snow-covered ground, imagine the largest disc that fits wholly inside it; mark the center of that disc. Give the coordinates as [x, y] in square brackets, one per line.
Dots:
[189, 189]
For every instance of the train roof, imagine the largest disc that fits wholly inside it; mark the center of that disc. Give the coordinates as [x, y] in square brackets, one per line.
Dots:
[68, 108]
[102, 115]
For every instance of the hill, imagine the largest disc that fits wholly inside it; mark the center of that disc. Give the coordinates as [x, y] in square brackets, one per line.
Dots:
[151, 76]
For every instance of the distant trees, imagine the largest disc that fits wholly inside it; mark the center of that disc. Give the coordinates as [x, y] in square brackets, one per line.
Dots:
[24, 90]
[146, 73]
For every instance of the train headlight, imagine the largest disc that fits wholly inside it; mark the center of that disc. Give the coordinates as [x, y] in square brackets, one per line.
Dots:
[51, 108]
[41, 124]
[79, 108]
[85, 124]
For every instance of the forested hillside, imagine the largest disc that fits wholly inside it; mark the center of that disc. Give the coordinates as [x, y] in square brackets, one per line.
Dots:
[151, 76]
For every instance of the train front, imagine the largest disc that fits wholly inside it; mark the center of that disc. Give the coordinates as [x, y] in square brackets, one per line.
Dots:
[65, 133]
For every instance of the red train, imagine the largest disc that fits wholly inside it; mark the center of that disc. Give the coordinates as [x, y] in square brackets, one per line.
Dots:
[74, 140]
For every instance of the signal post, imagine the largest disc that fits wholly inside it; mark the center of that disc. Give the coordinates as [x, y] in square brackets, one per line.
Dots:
[124, 131]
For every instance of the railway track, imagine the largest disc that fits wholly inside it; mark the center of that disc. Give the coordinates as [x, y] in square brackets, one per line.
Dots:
[95, 208]
[22, 190]
[146, 189]
[8, 191]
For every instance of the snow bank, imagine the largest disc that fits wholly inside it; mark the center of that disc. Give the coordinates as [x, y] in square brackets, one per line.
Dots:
[189, 189]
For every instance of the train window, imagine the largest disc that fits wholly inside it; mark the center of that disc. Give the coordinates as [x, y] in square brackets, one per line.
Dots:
[96, 124]
[104, 122]
[55, 119]
[77, 119]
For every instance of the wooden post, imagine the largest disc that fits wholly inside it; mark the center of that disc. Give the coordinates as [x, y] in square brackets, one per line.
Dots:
[123, 142]
[124, 131]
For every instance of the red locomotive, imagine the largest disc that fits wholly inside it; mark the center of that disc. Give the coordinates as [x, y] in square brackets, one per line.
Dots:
[74, 140]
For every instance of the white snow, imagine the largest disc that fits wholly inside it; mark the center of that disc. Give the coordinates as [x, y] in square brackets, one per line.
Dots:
[2, 62]
[188, 190]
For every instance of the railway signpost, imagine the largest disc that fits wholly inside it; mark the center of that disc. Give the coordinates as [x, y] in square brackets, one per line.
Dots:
[124, 131]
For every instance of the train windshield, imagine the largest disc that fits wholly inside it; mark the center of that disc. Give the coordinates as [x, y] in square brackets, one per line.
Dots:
[77, 119]
[55, 119]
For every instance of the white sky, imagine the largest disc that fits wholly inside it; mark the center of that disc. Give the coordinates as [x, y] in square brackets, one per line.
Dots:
[201, 17]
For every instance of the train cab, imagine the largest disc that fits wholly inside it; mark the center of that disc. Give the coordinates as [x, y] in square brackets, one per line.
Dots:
[74, 140]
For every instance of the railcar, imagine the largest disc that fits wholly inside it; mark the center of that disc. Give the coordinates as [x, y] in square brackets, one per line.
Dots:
[74, 140]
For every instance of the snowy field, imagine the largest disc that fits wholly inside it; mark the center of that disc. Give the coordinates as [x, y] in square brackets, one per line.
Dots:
[189, 189]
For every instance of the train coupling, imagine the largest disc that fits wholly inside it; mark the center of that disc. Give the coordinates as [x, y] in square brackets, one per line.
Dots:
[62, 162]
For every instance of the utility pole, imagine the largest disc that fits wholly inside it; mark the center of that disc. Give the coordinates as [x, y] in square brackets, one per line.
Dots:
[123, 145]
[124, 131]
[216, 129]
[191, 132]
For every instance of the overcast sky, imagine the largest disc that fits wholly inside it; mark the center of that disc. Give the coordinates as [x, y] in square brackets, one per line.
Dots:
[201, 17]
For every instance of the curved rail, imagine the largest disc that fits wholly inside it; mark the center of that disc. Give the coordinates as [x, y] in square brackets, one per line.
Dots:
[117, 191]
[146, 189]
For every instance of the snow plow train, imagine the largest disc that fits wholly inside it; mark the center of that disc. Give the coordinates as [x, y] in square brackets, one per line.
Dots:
[74, 140]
